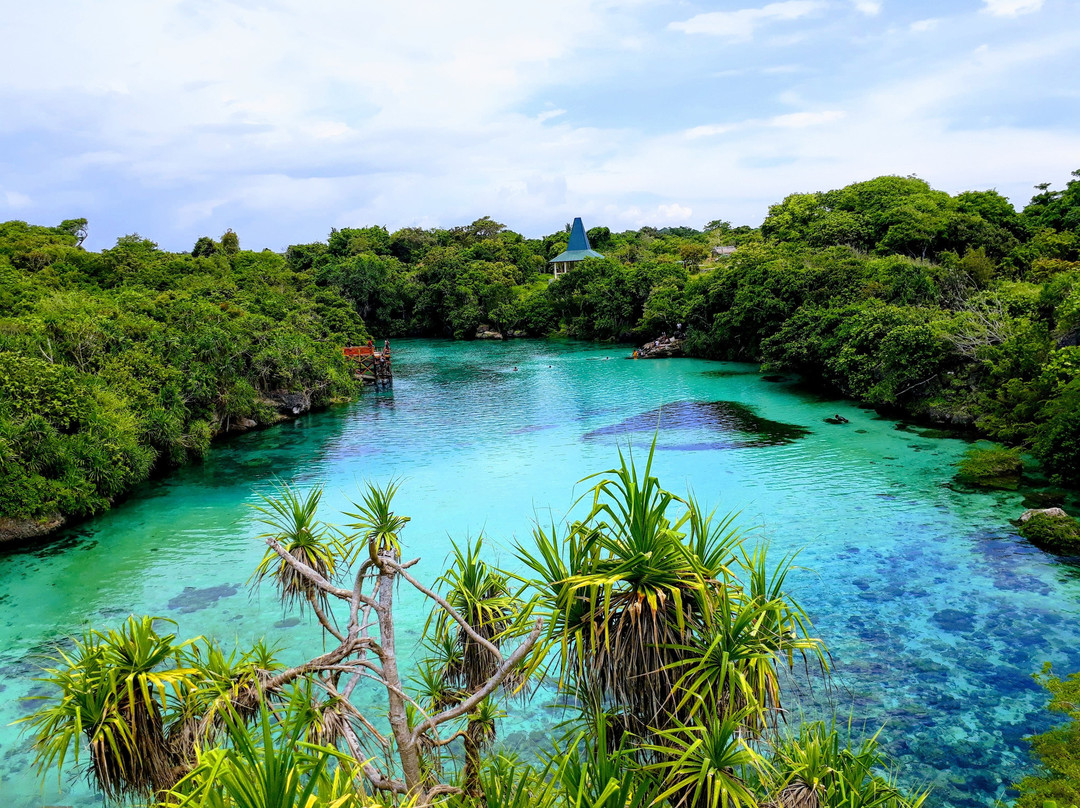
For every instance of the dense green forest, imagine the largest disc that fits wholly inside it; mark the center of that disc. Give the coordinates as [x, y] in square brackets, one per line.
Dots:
[115, 363]
[956, 309]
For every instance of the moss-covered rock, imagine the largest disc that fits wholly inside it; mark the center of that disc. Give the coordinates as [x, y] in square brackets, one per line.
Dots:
[1052, 530]
[992, 467]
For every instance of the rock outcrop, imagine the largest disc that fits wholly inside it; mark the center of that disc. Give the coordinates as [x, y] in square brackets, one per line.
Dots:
[487, 332]
[24, 529]
[1056, 513]
[289, 404]
[661, 348]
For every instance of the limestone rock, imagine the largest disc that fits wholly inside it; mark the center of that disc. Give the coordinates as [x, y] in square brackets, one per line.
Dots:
[289, 404]
[23, 529]
[1054, 512]
[662, 348]
[487, 332]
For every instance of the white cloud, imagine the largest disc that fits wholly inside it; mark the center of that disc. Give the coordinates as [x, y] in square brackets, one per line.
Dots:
[16, 200]
[924, 25]
[740, 25]
[792, 120]
[867, 7]
[282, 119]
[801, 120]
[1011, 8]
[674, 213]
[710, 130]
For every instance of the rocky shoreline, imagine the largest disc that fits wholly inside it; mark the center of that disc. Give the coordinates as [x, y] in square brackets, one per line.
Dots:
[661, 348]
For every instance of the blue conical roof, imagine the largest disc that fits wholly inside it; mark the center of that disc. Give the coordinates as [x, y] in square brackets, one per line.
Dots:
[579, 248]
[579, 239]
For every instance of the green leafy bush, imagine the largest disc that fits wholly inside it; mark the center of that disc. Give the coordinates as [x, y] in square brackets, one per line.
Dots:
[993, 467]
[1060, 534]
[1058, 750]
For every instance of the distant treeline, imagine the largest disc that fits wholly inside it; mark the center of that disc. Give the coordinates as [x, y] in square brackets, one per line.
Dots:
[955, 308]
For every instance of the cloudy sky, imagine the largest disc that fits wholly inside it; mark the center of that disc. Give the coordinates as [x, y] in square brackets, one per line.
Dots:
[283, 118]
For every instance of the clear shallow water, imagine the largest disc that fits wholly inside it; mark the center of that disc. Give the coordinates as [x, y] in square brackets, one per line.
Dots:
[935, 613]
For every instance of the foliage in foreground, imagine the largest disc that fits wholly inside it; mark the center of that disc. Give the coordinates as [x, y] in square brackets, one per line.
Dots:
[663, 632]
[1057, 750]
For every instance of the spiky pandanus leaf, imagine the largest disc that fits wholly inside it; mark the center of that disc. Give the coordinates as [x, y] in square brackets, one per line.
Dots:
[628, 595]
[818, 767]
[291, 515]
[376, 522]
[113, 690]
[268, 766]
[706, 764]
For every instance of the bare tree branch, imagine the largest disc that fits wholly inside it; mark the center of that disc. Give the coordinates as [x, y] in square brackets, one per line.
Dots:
[450, 610]
[489, 687]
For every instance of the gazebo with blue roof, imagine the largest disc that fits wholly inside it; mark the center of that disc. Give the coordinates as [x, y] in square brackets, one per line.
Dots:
[576, 251]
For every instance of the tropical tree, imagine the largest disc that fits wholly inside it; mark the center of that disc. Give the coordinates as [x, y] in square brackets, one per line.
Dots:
[650, 617]
[482, 596]
[153, 710]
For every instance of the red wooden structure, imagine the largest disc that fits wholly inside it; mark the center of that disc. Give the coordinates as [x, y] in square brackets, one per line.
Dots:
[372, 366]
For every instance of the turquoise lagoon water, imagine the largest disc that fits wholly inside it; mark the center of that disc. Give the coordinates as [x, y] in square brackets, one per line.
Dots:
[935, 612]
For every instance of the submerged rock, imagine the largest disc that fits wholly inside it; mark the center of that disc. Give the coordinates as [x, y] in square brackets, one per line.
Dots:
[725, 417]
[193, 599]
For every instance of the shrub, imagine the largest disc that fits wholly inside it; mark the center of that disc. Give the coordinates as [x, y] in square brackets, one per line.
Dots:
[993, 467]
[1059, 534]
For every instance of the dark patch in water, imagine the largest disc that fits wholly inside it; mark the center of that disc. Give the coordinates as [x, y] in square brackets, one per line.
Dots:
[721, 416]
[776, 379]
[195, 600]
[954, 620]
[698, 447]
[537, 428]
[287, 622]
[724, 374]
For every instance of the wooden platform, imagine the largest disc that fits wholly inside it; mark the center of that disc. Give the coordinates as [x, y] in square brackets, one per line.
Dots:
[373, 367]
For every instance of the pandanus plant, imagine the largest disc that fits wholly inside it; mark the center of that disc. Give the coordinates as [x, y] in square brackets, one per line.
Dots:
[481, 595]
[648, 612]
[291, 515]
[111, 689]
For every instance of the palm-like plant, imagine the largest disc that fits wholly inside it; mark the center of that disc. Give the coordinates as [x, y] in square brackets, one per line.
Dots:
[817, 768]
[481, 596]
[270, 766]
[734, 664]
[651, 616]
[598, 769]
[628, 593]
[112, 691]
[223, 684]
[376, 521]
[291, 516]
[705, 764]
